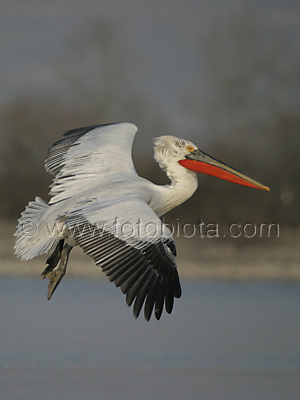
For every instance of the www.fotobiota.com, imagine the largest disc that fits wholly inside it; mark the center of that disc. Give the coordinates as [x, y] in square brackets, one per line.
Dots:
[186, 229]
[177, 229]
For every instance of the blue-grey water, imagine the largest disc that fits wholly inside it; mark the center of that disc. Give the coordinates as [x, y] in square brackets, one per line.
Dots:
[224, 340]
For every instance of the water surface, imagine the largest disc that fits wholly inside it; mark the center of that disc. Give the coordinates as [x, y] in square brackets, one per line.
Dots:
[223, 340]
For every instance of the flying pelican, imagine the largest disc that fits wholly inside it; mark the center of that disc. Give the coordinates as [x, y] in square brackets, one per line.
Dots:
[100, 203]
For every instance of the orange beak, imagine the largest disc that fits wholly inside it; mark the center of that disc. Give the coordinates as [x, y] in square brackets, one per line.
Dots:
[199, 161]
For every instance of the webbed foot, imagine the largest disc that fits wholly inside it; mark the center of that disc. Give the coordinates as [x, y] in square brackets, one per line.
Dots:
[55, 276]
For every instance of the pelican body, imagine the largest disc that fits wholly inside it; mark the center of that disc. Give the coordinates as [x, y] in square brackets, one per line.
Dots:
[99, 203]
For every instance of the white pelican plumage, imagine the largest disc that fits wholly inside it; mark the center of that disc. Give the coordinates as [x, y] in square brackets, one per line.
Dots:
[100, 203]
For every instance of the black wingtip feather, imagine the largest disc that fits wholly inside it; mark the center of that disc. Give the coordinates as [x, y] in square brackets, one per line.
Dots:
[129, 282]
[138, 304]
[141, 296]
[143, 281]
[159, 300]
[169, 301]
[149, 304]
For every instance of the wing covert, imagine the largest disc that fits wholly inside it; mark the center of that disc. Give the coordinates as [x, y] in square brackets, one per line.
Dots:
[86, 156]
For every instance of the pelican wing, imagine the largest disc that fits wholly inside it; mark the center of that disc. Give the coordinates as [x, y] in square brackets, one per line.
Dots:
[86, 156]
[134, 249]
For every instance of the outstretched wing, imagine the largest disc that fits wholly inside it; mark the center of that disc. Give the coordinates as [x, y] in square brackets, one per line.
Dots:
[133, 248]
[86, 156]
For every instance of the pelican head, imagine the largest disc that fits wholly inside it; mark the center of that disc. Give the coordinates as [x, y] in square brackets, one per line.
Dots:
[170, 151]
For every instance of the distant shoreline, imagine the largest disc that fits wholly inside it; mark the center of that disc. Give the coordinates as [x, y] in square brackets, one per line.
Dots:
[203, 259]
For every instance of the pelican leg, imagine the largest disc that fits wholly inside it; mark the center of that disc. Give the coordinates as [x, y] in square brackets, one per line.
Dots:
[53, 260]
[55, 276]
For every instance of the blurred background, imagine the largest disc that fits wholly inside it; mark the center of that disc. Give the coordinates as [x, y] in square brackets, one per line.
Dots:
[225, 75]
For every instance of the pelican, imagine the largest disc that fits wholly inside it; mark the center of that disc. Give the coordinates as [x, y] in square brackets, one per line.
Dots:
[100, 203]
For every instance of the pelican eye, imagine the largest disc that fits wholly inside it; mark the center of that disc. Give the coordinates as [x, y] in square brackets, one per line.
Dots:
[190, 148]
